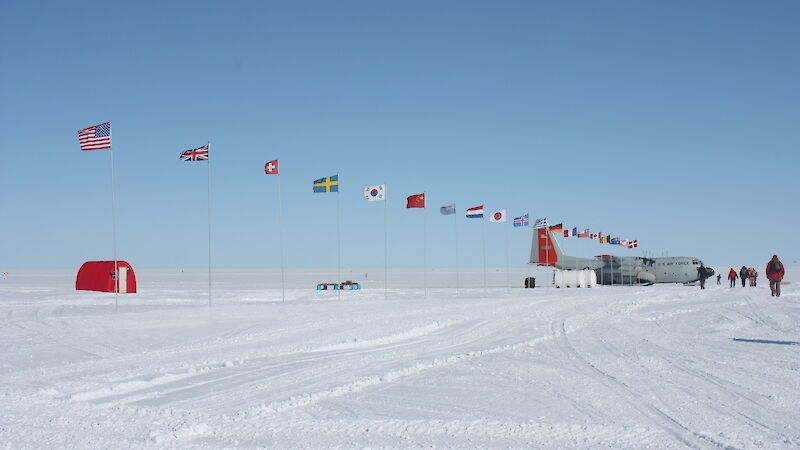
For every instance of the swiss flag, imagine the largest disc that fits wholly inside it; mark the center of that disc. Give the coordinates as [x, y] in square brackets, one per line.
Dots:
[271, 168]
[416, 201]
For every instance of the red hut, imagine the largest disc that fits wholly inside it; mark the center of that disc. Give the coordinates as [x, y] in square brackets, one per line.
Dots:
[99, 276]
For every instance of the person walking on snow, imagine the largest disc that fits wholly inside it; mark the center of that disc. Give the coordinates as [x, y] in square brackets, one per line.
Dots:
[732, 276]
[753, 276]
[743, 275]
[775, 272]
[701, 275]
[719, 279]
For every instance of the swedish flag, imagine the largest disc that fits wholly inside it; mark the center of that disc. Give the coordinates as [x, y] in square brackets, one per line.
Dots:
[327, 184]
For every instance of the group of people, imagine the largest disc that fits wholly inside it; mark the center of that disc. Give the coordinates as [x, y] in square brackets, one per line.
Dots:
[775, 272]
[745, 274]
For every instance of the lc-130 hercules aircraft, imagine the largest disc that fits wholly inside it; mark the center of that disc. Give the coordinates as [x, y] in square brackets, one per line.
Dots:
[623, 270]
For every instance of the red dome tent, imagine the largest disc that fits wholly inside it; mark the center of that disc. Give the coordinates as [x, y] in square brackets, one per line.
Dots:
[99, 276]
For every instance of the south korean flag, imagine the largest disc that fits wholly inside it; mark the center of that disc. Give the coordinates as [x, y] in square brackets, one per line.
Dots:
[375, 193]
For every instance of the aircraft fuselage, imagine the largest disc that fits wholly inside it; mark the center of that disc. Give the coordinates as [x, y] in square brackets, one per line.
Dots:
[545, 251]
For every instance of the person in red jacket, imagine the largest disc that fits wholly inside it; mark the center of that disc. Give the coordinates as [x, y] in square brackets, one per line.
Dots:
[732, 276]
[775, 272]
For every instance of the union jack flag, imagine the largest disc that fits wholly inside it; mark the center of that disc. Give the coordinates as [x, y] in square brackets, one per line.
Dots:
[97, 137]
[197, 154]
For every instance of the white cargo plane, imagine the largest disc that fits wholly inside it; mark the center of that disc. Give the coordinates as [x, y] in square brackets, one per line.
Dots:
[622, 270]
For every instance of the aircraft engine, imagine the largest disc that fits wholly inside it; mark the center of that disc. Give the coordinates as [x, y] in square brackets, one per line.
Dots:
[645, 277]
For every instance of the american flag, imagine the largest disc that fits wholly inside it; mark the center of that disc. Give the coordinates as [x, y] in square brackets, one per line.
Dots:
[197, 154]
[97, 137]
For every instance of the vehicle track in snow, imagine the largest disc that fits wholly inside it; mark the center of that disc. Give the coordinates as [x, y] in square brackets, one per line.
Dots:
[714, 392]
[387, 377]
[311, 379]
[246, 375]
[628, 394]
[249, 375]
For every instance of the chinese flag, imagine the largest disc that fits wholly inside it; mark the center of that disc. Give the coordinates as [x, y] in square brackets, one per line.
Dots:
[416, 201]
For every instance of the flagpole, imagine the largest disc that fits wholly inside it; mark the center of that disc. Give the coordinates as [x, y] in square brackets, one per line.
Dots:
[280, 234]
[209, 222]
[483, 241]
[611, 261]
[530, 266]
[455, 232]
[600, 237]
[114, 232]
[338, 238]
[508, 283]
[424, 248]
[385, 245]
[546, 253]
[575, 235]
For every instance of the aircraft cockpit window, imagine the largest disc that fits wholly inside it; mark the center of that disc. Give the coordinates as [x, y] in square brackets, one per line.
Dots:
[694, 261]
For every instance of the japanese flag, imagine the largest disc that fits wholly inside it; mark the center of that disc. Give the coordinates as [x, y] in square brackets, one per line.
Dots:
[498, 216]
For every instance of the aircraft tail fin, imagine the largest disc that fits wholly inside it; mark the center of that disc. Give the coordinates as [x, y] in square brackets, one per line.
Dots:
[544, 248]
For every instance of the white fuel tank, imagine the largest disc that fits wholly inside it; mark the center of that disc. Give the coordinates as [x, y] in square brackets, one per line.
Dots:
[575, 278]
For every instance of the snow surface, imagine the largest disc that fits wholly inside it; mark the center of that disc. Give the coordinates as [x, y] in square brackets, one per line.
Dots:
[664, 366]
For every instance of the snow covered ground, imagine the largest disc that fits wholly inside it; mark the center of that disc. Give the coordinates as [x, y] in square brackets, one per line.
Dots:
[664, 366]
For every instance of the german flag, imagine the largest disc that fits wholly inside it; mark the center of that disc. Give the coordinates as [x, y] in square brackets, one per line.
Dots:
[557, 228]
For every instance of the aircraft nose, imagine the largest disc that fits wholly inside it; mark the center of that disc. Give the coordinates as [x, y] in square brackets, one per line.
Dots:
[709, 272]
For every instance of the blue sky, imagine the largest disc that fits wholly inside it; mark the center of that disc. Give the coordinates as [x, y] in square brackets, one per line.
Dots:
[674, 123]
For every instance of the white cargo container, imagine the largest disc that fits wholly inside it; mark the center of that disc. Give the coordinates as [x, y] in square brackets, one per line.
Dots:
[575, 278]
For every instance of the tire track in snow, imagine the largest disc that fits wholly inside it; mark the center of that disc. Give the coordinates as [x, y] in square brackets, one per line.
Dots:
[112, 360]
[479, 433]
[730, 388]
[367, 382]
[758, 317]
[762, 318]
[138, 389]
[386, 340]
[253, 383]
[628, 394]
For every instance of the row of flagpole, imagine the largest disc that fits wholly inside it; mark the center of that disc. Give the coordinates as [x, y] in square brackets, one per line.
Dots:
[99, 137]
